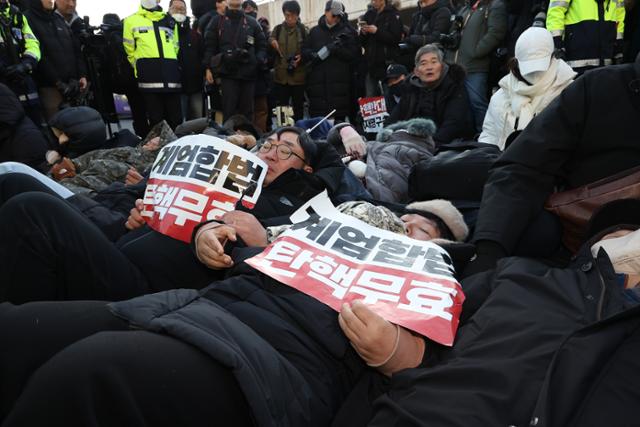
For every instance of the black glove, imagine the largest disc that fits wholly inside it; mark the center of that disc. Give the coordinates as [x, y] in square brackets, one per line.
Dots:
[487, 255]
[18, 72]
[417, 40]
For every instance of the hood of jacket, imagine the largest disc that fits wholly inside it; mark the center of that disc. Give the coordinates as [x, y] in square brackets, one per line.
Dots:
[84, 127]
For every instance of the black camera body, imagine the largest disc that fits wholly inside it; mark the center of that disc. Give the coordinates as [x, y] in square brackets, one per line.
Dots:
[237, 55]
[451, 41]
[291, 64]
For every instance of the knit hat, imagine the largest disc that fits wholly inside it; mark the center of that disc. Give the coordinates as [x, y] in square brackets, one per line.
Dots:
[445, 212]
[335, 7]
[377, 216]
[534, 50]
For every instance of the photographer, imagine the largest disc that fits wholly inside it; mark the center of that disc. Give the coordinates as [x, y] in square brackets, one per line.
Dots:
[432, 19]
[380, 33]
[287, 39]
[332, 48]
[483, 28]
[150, 39]
[61, 74]
[234, 47]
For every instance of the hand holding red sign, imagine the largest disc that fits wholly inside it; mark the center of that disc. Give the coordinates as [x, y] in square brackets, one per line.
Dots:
[339, 259]
[135, 219]
[199, 178]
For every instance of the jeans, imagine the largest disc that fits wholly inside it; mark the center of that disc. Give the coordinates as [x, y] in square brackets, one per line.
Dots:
[476, 84]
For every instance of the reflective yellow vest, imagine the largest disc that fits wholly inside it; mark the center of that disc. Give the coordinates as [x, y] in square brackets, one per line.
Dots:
[151, 42]
[589, 29]
[23, 37]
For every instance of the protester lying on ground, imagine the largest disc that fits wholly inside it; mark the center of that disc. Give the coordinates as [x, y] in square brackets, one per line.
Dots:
[78, 130]
[536, 345]
[389, 159]
[536, 79]
[73, 259]
[20, 139]
[436, 220]
[577, 140]
[97, 169]
[436, 91]
[299, 169]
[248, 350]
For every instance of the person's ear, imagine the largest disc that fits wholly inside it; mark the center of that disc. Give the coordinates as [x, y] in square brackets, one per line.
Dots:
[307, 169]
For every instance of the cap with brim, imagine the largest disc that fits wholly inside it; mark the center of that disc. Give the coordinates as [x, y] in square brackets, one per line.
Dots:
[395, 71]
[533, 65]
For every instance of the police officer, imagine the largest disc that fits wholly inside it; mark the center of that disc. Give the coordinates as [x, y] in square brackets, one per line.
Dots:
[587, 33]
[19, 55]
[150, 38]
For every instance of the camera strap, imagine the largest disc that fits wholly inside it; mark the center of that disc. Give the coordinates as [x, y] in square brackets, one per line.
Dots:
[234, 41]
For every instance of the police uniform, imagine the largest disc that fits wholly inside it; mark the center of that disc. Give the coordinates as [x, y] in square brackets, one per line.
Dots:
[150, 39]
[19, 55]
[590, 31]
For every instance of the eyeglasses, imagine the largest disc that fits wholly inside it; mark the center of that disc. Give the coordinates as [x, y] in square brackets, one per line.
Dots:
[283, 151]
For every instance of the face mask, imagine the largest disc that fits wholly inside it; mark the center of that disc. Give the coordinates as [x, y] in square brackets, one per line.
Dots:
[534, 77]
[149, 4]
[179, 17]
[624, 252]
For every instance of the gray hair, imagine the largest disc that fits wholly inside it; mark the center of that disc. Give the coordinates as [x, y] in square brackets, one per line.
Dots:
[429, 48]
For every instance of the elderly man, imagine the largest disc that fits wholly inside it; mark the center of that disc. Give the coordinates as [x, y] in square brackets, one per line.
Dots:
[436, 91]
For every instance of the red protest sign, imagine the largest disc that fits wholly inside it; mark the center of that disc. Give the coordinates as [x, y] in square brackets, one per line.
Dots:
[374, 111]
[199, 178]
[336, 258]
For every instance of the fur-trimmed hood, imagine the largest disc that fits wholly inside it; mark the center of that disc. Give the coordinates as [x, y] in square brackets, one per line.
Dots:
[448, 213]
[415, 130]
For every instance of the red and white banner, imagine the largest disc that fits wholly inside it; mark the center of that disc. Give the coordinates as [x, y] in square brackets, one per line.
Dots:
[336, 258]
[199, 178]
[374, 111]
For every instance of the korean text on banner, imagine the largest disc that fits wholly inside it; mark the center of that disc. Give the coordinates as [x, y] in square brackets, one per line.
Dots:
[374, 111]
[199, 178]
[336, 258]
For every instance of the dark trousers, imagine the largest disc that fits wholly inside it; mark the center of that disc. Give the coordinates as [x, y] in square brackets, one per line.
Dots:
[166, 263]
[159, 262]
[285, 93]
[51, 251]
[85, 368]
[163, 106]
[237, 97]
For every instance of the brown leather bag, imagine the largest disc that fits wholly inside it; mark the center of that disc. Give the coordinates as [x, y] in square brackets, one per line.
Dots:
[575, 207]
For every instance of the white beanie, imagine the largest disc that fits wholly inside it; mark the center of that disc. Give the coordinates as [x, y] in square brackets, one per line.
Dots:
[448, 213]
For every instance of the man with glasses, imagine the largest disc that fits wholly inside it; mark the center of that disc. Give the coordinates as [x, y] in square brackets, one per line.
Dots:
[70, 258]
